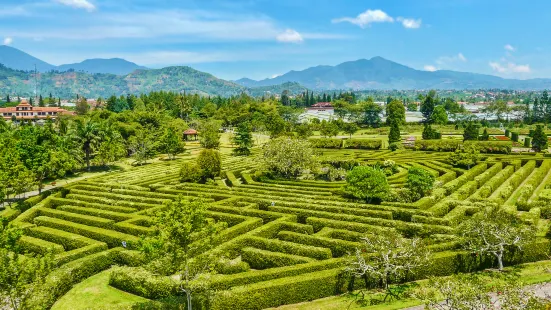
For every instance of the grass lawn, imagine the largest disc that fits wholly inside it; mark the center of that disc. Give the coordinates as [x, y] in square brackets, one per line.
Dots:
[531, 273]
[95, 293]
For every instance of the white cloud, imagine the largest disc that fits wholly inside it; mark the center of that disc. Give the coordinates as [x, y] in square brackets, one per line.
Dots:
[509, 67]
[8, 40]
[275, 75]
[78, 4]
[366, 18]
[289, 36]
[509, 48]
[451, 59]
[410, 22]
[430, 68]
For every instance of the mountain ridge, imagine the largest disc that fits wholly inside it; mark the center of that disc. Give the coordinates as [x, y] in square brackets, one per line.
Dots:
[14, 58]
[380, 73]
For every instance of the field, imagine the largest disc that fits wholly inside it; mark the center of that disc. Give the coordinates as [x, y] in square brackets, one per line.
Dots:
[286, 241]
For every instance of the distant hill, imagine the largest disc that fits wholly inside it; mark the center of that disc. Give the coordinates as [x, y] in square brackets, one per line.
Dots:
[175, 79]
[380, 73]
[19, 60]
[114, 66]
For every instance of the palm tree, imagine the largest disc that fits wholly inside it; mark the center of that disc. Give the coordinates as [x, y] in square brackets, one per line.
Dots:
[87, 133]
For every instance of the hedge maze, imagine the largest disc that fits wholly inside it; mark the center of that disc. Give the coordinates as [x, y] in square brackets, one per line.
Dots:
[285, 242]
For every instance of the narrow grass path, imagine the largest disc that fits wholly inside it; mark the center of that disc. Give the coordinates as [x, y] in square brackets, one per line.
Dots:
[546, 180]
[514, 196]
[95, 293]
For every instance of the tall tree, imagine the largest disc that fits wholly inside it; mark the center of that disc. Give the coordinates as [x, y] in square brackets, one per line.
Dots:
[82, 107]
[171, 143]
[539, 139]
[209, 134]
[367, 183]
[471, 132]
[243, 139]
[394, 134]
[395, 113]
[40, 101]
[439, 115]
[427, 106]
[86, 133]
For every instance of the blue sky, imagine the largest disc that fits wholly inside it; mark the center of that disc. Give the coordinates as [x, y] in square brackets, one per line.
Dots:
[262, 38]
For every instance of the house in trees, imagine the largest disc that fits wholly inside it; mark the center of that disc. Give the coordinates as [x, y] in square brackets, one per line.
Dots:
[25, 111]
[190, 134]
[320, 110]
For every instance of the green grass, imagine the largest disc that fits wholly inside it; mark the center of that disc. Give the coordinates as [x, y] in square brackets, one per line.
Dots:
[95, 293]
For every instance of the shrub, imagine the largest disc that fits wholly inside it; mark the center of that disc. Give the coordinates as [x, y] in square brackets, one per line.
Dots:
[141, 282]
[367, 183]
[514, 136]
[210, 163]
[527, 142]
[261, 259]
[419, 182]
[288, 157]
[190, 172]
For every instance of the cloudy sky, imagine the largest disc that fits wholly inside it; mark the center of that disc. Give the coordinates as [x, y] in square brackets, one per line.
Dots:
[263, 38]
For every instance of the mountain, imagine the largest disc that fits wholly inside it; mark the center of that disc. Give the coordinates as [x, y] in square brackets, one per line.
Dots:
[380, 73]
[175, 79]
[114, 66]
[19, 60]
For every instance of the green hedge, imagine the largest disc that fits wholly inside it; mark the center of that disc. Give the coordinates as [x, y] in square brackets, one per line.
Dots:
[514, 136]
[338, 247]
[450, 145]
[112, 238]
[324, 143]
[363, 144]
[141, 282]
[39, 246]
[283, 291]
[262, 259]
[275, 245]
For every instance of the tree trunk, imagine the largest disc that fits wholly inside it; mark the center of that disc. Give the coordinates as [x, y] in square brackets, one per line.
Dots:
[87, 151]
[499, 261]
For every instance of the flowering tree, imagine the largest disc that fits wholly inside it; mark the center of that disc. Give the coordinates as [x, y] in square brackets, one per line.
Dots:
[388, 257]
[492, 231]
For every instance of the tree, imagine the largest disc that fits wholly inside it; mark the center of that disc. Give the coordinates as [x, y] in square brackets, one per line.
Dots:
[244, 139]
[304, 130]
[82, 107]
[394, 133]
[485, 136]
[427, 106]
[539, 139]
[171, 143]
[465, 156]
[288, 157]
[20, 276]
[494, 231]
[40, 101]
[497, 108]
[112, 146]
[439, 115]
[329, 129]
[429, 133]
[350, 128]
[209, 134]
[8, 99]
[470, 291]
[86, 133]
[371, 113]
[275, 124]
[367, 183]
[182, 232]
[143, 145]
[210, 162]
[471, 132]
[412, 107]
[395, 113]
[419, 182]
[388, 257]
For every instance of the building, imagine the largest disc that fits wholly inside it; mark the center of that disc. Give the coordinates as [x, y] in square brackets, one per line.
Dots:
[25, 111]
[321, 106]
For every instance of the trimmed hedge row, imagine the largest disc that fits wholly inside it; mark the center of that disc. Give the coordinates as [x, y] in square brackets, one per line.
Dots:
[141, 282]
[452, 186]
[507, 188]
[112, 238]
[262, 259]
[324, 143]
[39, 246]
[532, 183]
[363, 144]
[493, 184]
[275, 245]
[450, 145]
[338, 247]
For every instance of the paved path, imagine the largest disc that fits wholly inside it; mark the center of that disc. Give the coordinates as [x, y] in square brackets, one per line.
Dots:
[542, 290]
[58, 184]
